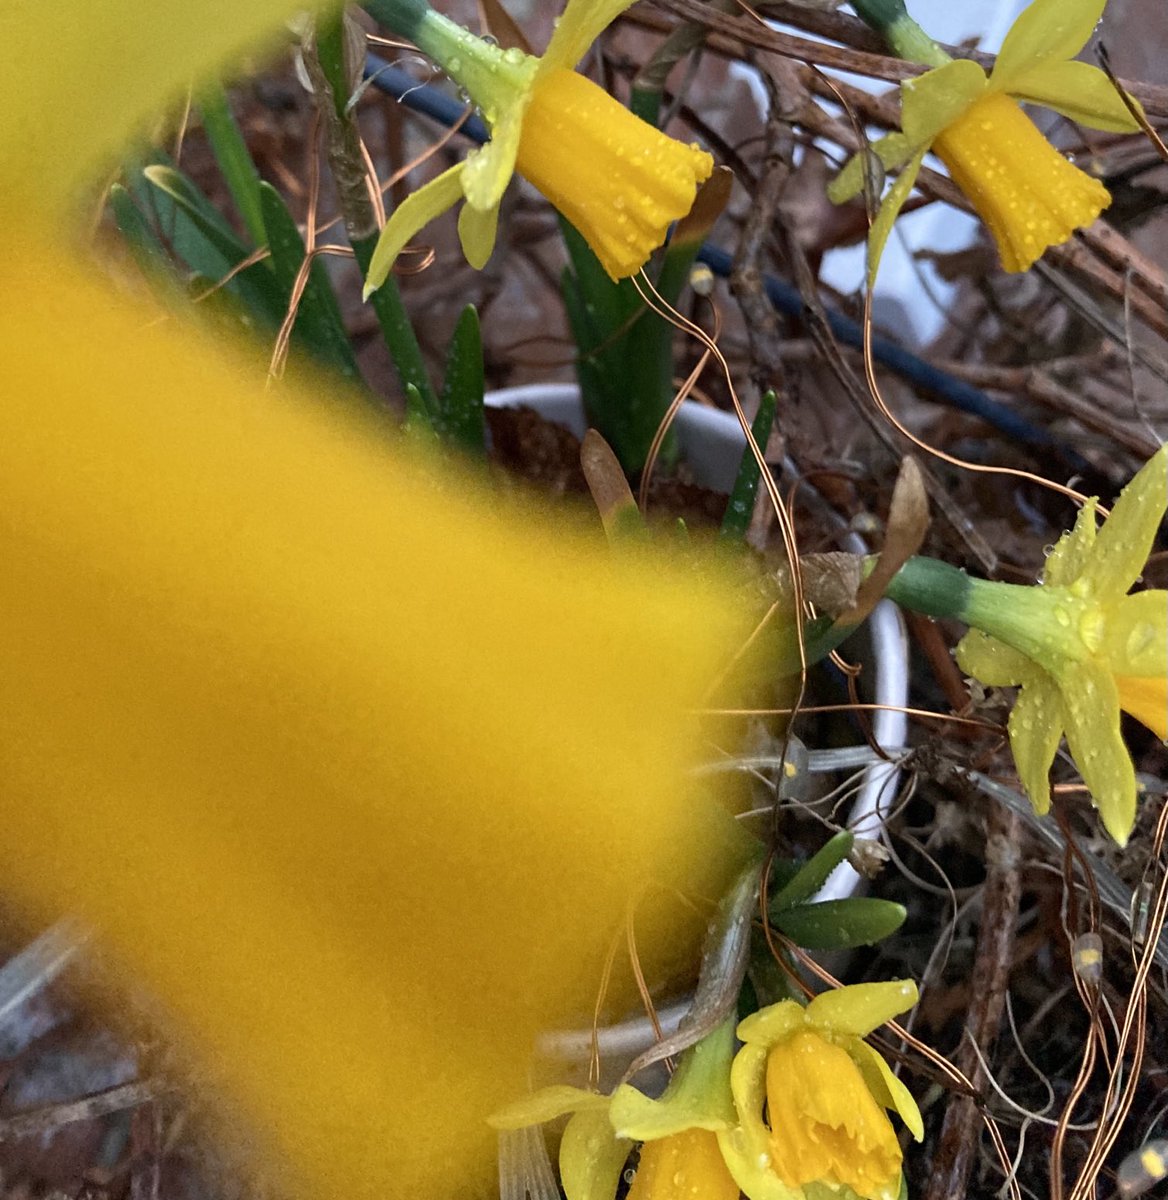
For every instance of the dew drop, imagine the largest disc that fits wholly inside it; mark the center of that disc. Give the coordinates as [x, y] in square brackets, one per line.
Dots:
[513, 56]
[1142, 635]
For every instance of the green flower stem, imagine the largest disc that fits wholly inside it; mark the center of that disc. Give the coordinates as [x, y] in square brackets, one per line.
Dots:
[890, 19]
[931, 587]
[343, 147]
[485, 70]
[1048, 625]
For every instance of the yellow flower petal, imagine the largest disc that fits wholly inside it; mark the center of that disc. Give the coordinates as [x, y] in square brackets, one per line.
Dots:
[1029, 196]
[546, 1105]
[579, 25]
[1072, 551]
[888, 211]
[933, 101]
[1077, 90]
[1123, 544]
[861, 1007]
[825, 1124]
[592, 1157]
[124, 61]
[698, 1095]
[892, 151]
[771, 1024]
[1036, 728]
[329, 694]
[417, 210]
[1045, 31]
[684, 1166]
[887, 1089]
[1147, 700]
[1136, 640]
[746, 1148]
[1091, 709]
[616, 178]
[489, 168]
[476, 232]
[992, 662]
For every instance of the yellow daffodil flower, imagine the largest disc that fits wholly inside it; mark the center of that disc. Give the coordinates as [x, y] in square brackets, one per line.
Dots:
[1081, 649]
[618, 180]
[825, 1091]
[1027, 193]
[680, 1157]
[282, 716]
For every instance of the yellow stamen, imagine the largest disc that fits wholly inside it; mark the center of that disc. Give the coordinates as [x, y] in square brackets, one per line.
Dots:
[616, 178]
[1027, 193]
[825, 1124]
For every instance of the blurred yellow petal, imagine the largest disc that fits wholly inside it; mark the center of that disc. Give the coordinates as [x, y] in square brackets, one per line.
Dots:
[79, 78]
[578, 26]
[858, 1009]
[683, 1166]
[617, 179]
[417, 210]
[1045, 31]
[280, 716]
[1029, 196]
[1146, 700]
[1077, 90]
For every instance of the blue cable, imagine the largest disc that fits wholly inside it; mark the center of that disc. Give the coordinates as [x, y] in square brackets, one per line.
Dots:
[942, 387]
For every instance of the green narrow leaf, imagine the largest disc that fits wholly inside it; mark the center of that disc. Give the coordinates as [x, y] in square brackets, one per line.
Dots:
[419, 422]
[147, 251]
[330, 50]
[461, 403]
[257, 287]
[396, 329]
[628, 382]
[840, 924]
[319, 328]
[811, 875]
[234, 159]
[741, 502]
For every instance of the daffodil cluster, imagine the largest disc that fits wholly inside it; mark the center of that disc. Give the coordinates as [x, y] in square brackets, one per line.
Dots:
[800, 1111]
[616, 178]
[1080, 647]
[1027, 193]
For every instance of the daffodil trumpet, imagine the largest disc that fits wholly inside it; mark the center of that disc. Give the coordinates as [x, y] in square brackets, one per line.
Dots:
[825, 1093]
[618, 180]
[1081, 647]
[1027, 193]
